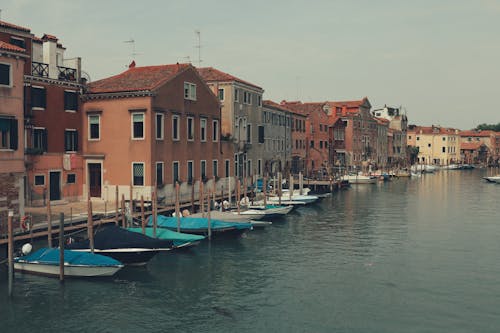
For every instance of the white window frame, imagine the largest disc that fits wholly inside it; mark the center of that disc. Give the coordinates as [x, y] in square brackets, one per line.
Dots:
[10, 85]
[215, 168]
[203, 135]
[188, 129]
[70, 130]
[201, 169]
[132, 114]
[215, 130]
[249, 138]
[236, 95]
[178, 172]
[72, 92]
[162, 172]
[143, 176]
[71, 173]
[190, 91]
[37, 175]
[219, 91]
[174, 130]
[161, 123]
[39, 108]
[99, 124]
[259, 167]
[192, 171]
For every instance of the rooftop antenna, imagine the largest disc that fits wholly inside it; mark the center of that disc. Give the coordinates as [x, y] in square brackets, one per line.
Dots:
[188, 59]
[132, 42]
[198, 34]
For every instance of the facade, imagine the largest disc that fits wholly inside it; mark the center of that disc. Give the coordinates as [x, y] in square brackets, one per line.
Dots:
[241, 104]
[277, 137]
[398, 125]
[12, 169]
[338, 144]
[480, 147]
[151, 125]
[437, 145]
[299, 142]
[317, 140]
[384, 140]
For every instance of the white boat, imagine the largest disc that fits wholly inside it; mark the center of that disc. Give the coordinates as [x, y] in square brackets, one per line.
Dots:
[360, 179]
[451, 167]
[424, 168]
[285, 199]
[230, 216]
[493, 179]
[76, 264]
[268, 211]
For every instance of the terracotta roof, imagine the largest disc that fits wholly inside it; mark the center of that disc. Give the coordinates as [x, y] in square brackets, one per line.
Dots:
[137, 79]
[210, 74]
[275, 105]
[37, 39]
[304, 108]
[470, 145]
[433, 130]
[348, 104]
[382, 120]
[477, 133]
[10, 47]
[49, 37]
[13, 26]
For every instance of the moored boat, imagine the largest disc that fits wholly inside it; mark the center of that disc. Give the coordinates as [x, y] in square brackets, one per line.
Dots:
[179, 239]
[199, 225]
[360, 179]
[45, 261]
[493, 179]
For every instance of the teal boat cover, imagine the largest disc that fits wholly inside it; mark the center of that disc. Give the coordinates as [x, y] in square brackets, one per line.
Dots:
[50, 256]
[178, 238]
[198, 223]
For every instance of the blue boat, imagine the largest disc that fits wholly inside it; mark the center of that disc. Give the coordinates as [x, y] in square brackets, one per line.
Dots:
[45, 261]
[179, 239]
[199, 225]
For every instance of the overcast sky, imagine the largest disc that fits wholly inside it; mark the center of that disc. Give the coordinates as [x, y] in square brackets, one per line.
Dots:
[440, 60]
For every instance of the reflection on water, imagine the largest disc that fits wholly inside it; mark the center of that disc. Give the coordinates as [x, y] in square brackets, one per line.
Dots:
[409, 255]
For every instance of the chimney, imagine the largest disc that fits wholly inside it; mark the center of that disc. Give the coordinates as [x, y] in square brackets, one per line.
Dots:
[132, 64]
[344, 110]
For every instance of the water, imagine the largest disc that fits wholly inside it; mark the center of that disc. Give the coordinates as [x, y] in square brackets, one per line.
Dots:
[417, 255]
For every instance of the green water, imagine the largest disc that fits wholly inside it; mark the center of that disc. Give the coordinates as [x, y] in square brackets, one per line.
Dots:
[419, 255]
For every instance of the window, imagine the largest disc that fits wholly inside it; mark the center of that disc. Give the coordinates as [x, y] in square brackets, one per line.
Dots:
[312, 143]
[190, 128]
[247, 97]
[249, 167]
[428, 145]
[444, 138]
[236, 95]
[138, 125]
[8, 133]
[443, 149]
[215, 130]
[175, 172]
[138, 174]
[190, 91]
[39, 180]
[190, 172]
[321, 144]
[215, 168]
[40, 139]
[17, 42]
[249, 133]
[261, 134]
[5, 75]
[159, 128]
[159, 173]
[70, 140]
[70, 178]
[38, 98]
[94, 127]
[221, 94]
[259, 100]
[259, 167]
[226, 162]
[203, 129]
[418, 138]
[203, 170]
[70, 101]
[175, 127]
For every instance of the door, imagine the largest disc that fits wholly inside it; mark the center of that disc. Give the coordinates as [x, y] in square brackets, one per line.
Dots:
[95, 179]
[55, 185]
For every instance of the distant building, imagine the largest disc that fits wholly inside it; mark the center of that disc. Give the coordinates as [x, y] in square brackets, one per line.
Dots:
[437, 145]
[480, 147]
[398, 125]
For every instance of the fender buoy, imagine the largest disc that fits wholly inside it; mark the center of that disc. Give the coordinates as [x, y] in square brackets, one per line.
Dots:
[26, 223]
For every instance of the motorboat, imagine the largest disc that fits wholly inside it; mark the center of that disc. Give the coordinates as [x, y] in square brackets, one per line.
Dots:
[179, 239]
[199, 225]
[360, 179]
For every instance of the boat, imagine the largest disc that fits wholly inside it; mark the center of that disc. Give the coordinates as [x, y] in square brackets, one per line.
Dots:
[199, 225]
[179, 239]
[45, 261]
[424, 168]
[451, 167]
[268, 211]
[493, 179]
[245, 216]
[128, 247]
[285, 199]
[360, 179]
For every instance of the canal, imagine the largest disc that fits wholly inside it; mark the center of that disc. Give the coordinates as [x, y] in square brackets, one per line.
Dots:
[410, 255]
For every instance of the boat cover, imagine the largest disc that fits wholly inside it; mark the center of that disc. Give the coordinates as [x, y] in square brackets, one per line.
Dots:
[50, 256]
[114, 237]
[200, 223]
[177, 237]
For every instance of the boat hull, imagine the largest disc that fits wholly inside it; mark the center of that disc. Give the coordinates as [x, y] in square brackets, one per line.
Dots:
[134, 257]
[69, 270]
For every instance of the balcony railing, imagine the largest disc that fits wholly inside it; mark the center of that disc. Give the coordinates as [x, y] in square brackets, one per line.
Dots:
[39, 69]
[66, 74]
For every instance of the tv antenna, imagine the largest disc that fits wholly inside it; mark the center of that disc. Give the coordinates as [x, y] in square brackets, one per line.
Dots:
[199, 46]
[132, 42]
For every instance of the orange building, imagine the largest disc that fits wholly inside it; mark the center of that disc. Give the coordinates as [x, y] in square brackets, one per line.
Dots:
[147, 125]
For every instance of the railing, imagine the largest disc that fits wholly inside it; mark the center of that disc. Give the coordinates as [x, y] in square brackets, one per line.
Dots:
[39, 69]
[66, 73]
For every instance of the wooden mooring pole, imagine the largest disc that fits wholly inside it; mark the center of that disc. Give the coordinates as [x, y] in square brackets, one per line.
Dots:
[10, 236]
[208, 217]
[90, 225]
[143, 221]
[49, 222]
[177, 207]
[117, 221]
[61, 247]
[123, 211]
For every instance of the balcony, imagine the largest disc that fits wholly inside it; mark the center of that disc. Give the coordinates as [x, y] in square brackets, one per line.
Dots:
[39, 69]
[66, 73]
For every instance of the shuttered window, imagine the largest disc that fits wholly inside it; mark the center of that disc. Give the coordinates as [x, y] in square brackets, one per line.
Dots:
[38, 97]
[70, 101]
[8, 133]
[5, 75]
[138, 174]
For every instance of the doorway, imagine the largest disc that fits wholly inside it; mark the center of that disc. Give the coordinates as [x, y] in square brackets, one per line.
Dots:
[95, 179]
[55, 185]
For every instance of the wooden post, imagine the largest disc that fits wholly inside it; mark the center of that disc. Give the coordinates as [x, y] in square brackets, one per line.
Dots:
[214, 191]
[117, 221]
[202, 199]
[291, 187]
[301, 183]
[229, 190]
[90, 225]
[153, 215]
[177, 207]
[131, 202]
[143, 221]
[49, 222]
[279, 188]
[61, 247]
[264, 190]
[123, 211]
[208, 217]
[10, 236]
[222, 198]
[244, 188]
[238, 194]
[192, 197]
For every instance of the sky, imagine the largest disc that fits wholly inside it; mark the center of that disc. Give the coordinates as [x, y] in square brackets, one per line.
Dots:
[439, 60]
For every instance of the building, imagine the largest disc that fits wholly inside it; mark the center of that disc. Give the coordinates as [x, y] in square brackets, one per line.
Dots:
[317, 140]
[384, 143]
[152, 125]
[13, 59]
[277, 136]
[398, 125]
[482, 147]
[241, 103]
[436, 145]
